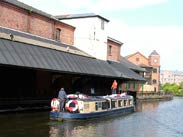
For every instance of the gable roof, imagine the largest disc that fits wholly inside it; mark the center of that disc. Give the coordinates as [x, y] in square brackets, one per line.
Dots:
[75, 16]
[153, 53]
[135, 54]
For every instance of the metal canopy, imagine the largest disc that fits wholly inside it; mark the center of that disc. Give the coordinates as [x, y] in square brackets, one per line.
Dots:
[24, 54]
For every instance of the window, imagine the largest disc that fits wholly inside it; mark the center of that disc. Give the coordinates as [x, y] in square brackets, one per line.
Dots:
[127, 86]
[57, 36]
[119, 103]
[110, 50]
[154, 81]
[134, 86]
[113, 104]
[102, 24]
[137, 59]
[125, 103]
[154, 70]
[105, 105]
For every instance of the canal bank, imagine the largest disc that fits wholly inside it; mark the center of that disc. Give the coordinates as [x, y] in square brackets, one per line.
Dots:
[157, 96]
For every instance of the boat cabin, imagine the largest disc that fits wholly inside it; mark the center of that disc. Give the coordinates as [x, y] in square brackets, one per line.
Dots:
[103, 104]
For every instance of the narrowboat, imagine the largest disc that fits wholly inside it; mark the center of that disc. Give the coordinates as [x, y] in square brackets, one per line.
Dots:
[85, 107]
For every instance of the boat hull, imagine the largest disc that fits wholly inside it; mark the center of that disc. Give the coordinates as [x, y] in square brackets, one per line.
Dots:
[76, 116]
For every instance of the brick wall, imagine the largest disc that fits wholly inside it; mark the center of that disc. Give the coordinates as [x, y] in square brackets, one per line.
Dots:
[67, 33]
[138, 59]
[115, 51]
[13, 17]
[27, 21]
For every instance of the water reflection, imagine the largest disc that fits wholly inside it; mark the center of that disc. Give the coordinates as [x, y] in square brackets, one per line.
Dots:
[152, 119]
[146, 105]
[90, 128]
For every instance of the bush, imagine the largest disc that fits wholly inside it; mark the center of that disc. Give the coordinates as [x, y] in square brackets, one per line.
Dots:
[173, 88]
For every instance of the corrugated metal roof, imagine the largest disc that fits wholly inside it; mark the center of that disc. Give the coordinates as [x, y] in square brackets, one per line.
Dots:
[125, 72]
[29, 55]
[26, 55]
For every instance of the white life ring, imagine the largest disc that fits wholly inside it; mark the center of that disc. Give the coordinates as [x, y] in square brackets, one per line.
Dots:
[55, 104]
[70, 107]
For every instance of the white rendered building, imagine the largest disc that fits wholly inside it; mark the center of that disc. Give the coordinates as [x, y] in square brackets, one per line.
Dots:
[90, 33]
[171, 77]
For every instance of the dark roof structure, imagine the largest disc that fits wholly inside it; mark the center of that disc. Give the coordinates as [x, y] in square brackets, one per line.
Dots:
[125, 71]
[130, 65]
[26, 50]
[154, 53]
[74, 16]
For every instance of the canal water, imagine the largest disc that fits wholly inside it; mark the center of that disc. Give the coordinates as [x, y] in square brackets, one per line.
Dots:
[151, 119]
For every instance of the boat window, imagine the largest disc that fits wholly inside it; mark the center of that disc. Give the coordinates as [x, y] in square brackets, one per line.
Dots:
[105, 105]
[99, 104]
[96, 106]
[128, 102]
[113, 104]
[124, 102]
[119, 103]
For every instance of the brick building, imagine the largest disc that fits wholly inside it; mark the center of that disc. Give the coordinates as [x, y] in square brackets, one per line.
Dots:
[171, 77]
[151, 66]
[113, 49]
[92, 32]
[19, 16]
[38, 56]
[91, 35]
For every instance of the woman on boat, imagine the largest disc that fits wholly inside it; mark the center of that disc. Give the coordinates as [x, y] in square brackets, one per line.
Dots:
[62, 96]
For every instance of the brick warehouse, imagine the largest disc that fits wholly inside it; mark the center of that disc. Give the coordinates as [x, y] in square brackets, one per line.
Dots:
[28, 19]
[34, 70]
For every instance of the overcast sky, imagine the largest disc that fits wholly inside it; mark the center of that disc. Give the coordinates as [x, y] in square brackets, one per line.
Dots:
[142, 25]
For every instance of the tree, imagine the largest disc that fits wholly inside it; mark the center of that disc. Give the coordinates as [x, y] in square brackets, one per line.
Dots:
[173, 88]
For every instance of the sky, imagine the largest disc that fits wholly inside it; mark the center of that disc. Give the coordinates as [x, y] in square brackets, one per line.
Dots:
[142, 25]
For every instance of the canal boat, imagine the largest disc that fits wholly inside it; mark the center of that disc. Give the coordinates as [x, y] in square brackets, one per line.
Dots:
[85, 107]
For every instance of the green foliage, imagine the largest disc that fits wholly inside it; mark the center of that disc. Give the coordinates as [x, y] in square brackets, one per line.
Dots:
[173, 88]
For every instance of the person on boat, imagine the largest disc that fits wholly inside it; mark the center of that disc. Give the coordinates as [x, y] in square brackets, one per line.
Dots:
[114, 87]
[62, 96]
